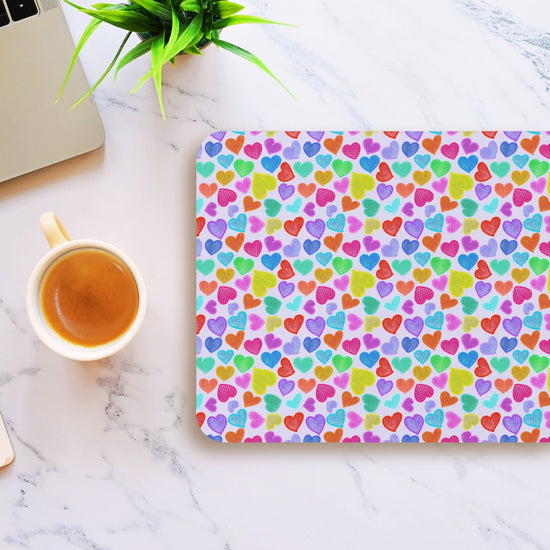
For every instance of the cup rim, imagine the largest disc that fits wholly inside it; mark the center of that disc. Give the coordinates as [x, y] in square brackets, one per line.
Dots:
[46, 333]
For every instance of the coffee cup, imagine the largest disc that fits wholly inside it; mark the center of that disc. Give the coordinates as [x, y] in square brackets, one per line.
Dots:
[86, 299]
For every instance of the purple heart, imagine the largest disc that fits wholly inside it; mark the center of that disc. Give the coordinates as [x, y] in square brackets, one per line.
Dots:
[219, 135]
[512, 423]
[528, 405]
[331, 209]
[317, 136]
[309, 209]
[429, 210]
[489, 348]
[408, 404]
[384, 191]
[316, 423]
[286, 191]
[506, 209]
[391, 151]
[293, 249]
[469, 341]
[483, 386]
[414, 423]
[512, 228]
[467, 437]
[489, 250]
[286, 289]
[211, 405]
[309, 307]
[369, 437]
[370, 341]
[429, 406]
[384, 289]
[316, 228]
[391, 347]
[316, 326]
[371, 146]
[414, 228]
[292, 347]
[489, 152]
[414, 325]
[331, 405]
[408, 209]
[506, 404]
[286, 386]
[211, 306]
[469, 146]
[384, 386]
[512, 135]
[270, 437]
[482, 191]
[408, 307]
[272, 243]
[391, 250]
[211, 209]
[217, 423]
[217, 326]
[469, 244]
[292, 152]
[232, 210]
[414, 135]
[512, 326]
[217, 227]
[331, 307]
[370, 244]
[272, 341]
[232, 307]
[506, 307]
[528, 210]
[429, 307]
[309, 404]
[483, 289]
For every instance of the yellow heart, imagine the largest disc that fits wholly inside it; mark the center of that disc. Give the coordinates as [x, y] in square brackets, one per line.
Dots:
[225, 177]
[225, 275]
[360, 184]
[273, 420]
[360, 379]
[261, 184]
[371, 323]
[261, 379]
[520, 373]
[458, 379]
[422, 177]
[467, 134]
[225, 373]
[470, 420]
[371, 420]
[323, 177]
[272, 225]
[520, 275]
[422, 275]
[468, 323]
[371, 225]
[323, 275]
[261, 281]
[520, 177]
[458, 281]
[323, 373]
[360, 281]
[369, 134]
[469, 225]
[273, 322]
[458, 183]
[270, 133]
[421, 373]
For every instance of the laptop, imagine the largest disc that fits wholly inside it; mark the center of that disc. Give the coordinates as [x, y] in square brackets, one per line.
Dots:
[36, 47]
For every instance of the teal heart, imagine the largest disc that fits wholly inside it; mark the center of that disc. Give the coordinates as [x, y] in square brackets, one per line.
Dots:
[422, 355]
[500, 364]
[323, 160]
[323, 258]
[370, 402]
[200, 204]
[295, 206]
[324, 355]
[500, 266]
[422, 258]
[303, 364]
[422, 160]
[401, 266]
[402, 364]
[492, 206]
[272, 305]
[371, 207]
[520, 160]
[238, 419]
[492, 304]
[520, 257]
[534, 223]
[337, 224]
[402, 169]
[200, 399]
[303, 267]
[393, 207]
[225, 160]
[303, 169]
[200, 301]
[469, 207]
[294, 403]
[370, 305]
[469, 402]
[272, 207]
[500, 168]
[469, 305]
[205, 169]
[394, 304]
[272, 402]
[205, 364]
[492, 402]
[295, 304]
[205, 266]
[393, 402]
[436, 418]
[534, 322]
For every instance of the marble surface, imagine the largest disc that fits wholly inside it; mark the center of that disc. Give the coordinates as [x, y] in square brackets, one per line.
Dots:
[108, 453]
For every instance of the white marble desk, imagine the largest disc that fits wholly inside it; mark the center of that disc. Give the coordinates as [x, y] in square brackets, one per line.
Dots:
[108, 454]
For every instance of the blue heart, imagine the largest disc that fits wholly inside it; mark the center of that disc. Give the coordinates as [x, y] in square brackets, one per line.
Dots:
[422, 355]
[435, 223]
[467, 261]
[435, 321]
[520, 160]
[225, 160]
[225, 355]
[468, 163]
[271, 261]
[311, 246]
[534, 321]
[212, 246]
[323, 257]
[212, 149]
[311, 344]
[508, 246]
[238, 223]
[409, 246]
[338, 223]
[468, 358]
[311, 148]
[324, 355]
[422, 257]
[409, 148]
[238, 321]
[369, 261]
[271, 358]
[521, 257]
[369, 163]
[323, 160]
[271, 163]
[409, 344]
[213, 344]
[508, 148]
[422, 160]
[534, 223]
[508, 344]
[225, 258]
[520, 356]
[369, 358]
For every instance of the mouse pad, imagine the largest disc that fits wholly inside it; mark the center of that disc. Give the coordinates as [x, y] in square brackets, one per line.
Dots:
[373, 286]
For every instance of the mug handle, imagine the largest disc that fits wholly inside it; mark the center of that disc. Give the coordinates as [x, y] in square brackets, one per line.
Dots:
[53, 229]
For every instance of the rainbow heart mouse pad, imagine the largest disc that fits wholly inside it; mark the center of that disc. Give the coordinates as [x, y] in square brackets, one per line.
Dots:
[373, 286]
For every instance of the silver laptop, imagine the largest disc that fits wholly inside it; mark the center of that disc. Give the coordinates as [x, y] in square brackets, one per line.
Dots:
[36, 47]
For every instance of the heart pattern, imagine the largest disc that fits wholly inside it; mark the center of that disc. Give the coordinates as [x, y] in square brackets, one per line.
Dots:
[373, 286]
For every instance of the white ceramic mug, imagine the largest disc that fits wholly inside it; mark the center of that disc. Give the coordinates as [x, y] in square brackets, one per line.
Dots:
[61, 244]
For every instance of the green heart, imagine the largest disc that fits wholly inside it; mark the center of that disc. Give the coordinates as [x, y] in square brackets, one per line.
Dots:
[303, 267]
[538, 363]
[402, 364]
[458, 183]
[440, 265]
[370, 402]
[538, 265]
[205, 169]
[342, 363]
[401, 168]
[440, 167]
[342, 167]
[360, 379]
[500, 364]
[303, 364]
[469, 402]
[261, 379]
[370, 207]
[243, 167]
[272, 207]
[440, 363]
[539, 167]
[272, 402]
[243, 265]
[342, 265]
[469, 207]
[243, 363]
[205, 266]
[205, 364]
[500, 168]
[402, 266]
[458, 379]
[272, 305]
[500, 266]
[303, 169]
[469, 305]
[370, 305]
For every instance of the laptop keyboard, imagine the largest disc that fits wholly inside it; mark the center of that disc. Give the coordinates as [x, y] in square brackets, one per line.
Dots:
[18, 9]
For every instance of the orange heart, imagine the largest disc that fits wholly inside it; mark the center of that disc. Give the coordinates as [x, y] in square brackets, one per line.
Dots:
[447, 302]
[235, 241]
[432, 437]
[348, 301]
[447, 204]
[333, 340]
[208, 287]
[530, 340]
[235, 145]
[334, 437]
[503, 287]
[235, 340]
[447, 399]
[235, 437]
[208, 385]
[404, 287]
[404, 384]
[334, 242]
[348, 399]
[544, 301]
[249, 301]
[306, 189]
[249, 399]
[306, 385]
[432, 243]
[307, 287]
[432, 145]
[503, 385]
[530, 145]
[404, 189]
[544, 399]
[503, 190]
[530, 437]
[250, 204]
[333, 145]
[208, 189]
[532, 242]
[432, 340]
[349, 204]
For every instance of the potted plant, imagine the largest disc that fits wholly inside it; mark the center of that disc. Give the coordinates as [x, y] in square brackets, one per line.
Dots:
[166, 28]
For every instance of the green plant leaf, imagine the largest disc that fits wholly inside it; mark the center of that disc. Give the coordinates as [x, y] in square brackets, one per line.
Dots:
[225, 8]
[137, 51]
[100, 79]
[245, 54]
[156, 8]
[157, 63]
[191, 5]
[123, 18]
[88, 31]
[185, 38]
[174, 33]
[241, 19]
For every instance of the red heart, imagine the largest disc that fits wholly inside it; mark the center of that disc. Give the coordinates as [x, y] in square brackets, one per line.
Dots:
[384, 172]
[482, 173]
[293, 227]
[294, 422]
[201, 417]
[490, 226]
[200, 322]
[384, 270]
[392, 324]
[490, 422]
[384, 369]
[482, 271]
[391, 227]
[200, 225]
[286, 369]
[293, 324]
[286, 173]
[286, 271]
[482, 368]
[392, 422]
[490, 325]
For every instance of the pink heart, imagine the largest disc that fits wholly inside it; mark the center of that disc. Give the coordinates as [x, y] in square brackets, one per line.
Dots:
[354, 419]
[352, 346]
[342, 380]
[440, 185]
[441, 380]
[243, 185]
[453, 322]
[440, 283]
[341, 185]
[538, 185]
[243, 381]
[453, 420]
[354, 224]
[255, 224]
[354, 322]
[243, 283]
[342, 283]
[453, 224]
[256, 420]
[539, 380]
[256, 322]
